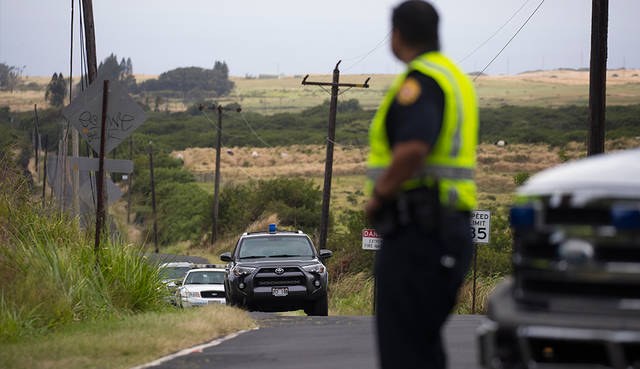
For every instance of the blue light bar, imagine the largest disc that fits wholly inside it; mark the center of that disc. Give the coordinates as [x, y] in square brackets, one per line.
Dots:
[625, 218]
[272, 227]
[522, 217]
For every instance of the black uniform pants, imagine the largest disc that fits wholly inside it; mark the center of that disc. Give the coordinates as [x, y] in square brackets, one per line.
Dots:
[416, 293]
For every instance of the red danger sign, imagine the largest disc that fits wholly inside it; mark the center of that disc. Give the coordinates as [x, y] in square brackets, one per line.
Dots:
[370, 233]
[371, 240]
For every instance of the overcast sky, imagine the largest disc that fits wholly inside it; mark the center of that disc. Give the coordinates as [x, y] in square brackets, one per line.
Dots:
[303, 36]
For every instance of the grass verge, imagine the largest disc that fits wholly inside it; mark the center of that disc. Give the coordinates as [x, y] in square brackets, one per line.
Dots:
[484, 287]
[351, 295]
[125, 342]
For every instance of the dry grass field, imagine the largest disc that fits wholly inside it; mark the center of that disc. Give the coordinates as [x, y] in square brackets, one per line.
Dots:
[286, 94]
[496, 167]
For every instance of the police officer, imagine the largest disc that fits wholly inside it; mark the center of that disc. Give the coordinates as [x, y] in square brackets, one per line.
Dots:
[420, 168]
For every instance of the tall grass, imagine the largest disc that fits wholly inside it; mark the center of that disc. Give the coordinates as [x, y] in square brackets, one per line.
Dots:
[484, 287]
[351, 294]
[49, 274]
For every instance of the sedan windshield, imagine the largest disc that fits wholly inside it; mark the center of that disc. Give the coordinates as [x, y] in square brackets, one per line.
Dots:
[174, 272]
[274, 246]
[205, 277]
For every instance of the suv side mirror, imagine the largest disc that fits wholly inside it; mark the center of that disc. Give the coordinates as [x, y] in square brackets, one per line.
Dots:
[325, 254]
[226, 257]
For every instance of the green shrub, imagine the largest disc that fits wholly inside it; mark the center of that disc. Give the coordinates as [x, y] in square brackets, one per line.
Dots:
[184, 211]
[348, 256]
[562, 155]
[520, 178]
[295, 200]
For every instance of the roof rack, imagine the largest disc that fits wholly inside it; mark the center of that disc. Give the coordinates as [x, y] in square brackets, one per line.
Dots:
[278, 231]
[218, 266]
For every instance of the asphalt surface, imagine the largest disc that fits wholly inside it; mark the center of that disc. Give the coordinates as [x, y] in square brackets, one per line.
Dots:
[319, 342]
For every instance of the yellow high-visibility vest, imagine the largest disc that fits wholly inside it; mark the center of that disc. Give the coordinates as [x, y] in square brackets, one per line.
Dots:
[452, 160]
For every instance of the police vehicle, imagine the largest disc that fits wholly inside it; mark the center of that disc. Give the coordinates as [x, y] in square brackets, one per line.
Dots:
[202, 286]
[174, 272]
[574, 299]
[277, 271]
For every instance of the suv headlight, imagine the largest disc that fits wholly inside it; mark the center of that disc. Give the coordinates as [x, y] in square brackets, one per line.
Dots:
[314, 268]
[240, 270]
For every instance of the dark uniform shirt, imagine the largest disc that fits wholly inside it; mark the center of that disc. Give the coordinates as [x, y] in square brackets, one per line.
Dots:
[416, 112]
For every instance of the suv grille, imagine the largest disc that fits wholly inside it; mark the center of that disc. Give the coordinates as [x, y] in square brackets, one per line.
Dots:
[609, 272]
[212, 294]
[292, 276]
[288, 281]
[286, 270]
[581, 289]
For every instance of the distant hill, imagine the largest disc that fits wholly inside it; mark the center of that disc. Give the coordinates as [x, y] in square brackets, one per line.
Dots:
[554, 88]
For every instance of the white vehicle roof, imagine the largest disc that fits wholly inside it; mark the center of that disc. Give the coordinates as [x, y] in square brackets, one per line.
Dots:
[614, 176]
[176, 264]
[206, 270]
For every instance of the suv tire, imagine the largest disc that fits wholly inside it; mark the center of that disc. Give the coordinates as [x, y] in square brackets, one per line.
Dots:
[319, 307]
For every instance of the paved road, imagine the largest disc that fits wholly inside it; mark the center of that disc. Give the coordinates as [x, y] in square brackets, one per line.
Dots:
[318, 342]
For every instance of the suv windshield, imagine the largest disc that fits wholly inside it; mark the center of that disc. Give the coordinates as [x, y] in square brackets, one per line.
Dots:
[275, 246]
[205, 277]
[174, 272]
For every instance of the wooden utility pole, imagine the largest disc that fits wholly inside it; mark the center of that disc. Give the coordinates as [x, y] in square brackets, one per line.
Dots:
[153, 198]
[75, 138]
[44, 160]
[328, 169]
[216, 189]
[598, 76]
[36, 134]
[216, 185]
[90, 40]
[130, 182]
[100, 212]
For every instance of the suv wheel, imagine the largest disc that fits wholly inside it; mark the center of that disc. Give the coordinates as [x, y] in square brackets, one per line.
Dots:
[319, 307]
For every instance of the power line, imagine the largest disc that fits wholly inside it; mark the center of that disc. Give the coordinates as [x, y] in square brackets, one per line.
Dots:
[252, 130]
[364, 56]
[511, 39]
[495, 33]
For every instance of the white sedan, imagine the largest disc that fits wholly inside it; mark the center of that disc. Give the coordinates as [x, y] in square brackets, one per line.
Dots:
[202, 286]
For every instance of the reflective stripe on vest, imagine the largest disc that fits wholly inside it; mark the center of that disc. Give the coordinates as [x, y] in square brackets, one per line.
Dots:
[433, 171]
[455, 145]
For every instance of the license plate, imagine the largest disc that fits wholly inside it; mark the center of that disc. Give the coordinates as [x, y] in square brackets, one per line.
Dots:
[281, 291]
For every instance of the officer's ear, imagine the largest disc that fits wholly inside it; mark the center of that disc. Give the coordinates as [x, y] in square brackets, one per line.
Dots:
[397, 43]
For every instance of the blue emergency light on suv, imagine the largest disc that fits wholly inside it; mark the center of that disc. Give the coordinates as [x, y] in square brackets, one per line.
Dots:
[277, 271]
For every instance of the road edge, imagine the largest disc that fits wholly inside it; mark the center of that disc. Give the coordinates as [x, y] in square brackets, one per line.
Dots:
[193, 349]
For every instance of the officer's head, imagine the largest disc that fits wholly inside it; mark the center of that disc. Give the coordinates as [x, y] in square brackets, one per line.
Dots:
[414, 29]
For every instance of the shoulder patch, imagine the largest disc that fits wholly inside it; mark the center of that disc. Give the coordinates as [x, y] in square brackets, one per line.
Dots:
[409, 92]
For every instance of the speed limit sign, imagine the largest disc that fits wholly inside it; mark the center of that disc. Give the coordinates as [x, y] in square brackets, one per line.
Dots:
[480, 226]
